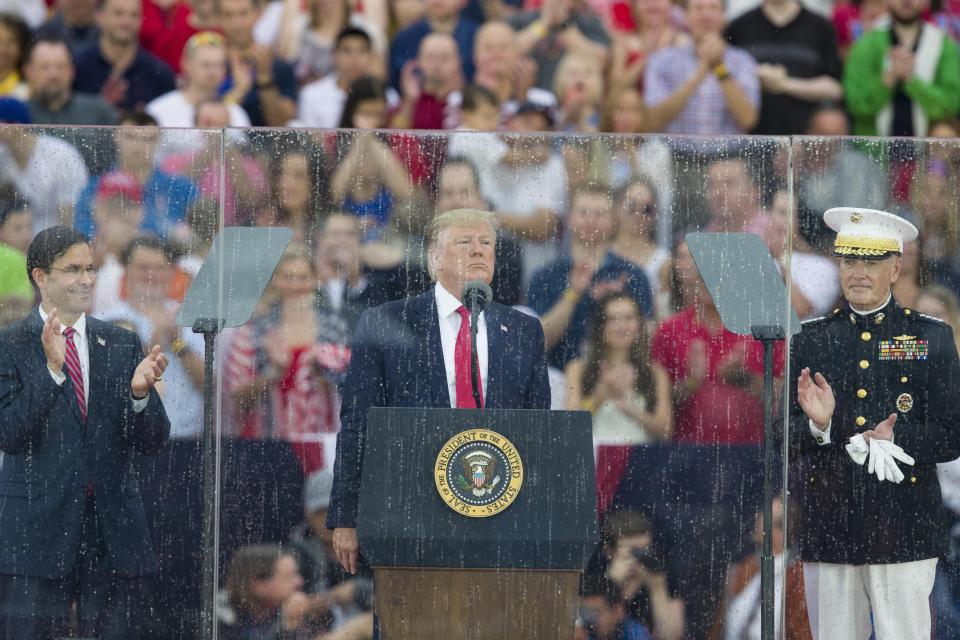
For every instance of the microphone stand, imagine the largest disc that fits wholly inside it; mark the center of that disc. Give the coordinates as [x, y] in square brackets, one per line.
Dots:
[474, 357]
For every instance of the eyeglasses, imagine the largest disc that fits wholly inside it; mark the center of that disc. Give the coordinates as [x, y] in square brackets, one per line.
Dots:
[77, 270]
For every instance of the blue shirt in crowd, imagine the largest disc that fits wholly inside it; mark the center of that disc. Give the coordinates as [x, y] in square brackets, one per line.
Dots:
[407, 42]
[147, 77]
[548, 285]
[165, 201]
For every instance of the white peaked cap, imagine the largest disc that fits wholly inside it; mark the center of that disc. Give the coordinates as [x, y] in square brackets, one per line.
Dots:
[868, 233]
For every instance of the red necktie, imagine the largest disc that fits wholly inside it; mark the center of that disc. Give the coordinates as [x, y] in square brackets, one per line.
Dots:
[461, 362]
[74, 370]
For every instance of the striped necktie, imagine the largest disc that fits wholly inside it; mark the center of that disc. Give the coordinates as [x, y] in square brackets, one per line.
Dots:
[74, 370]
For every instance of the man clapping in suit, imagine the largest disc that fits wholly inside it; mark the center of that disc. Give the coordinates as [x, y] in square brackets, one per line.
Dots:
[77, 400]
[416, 353]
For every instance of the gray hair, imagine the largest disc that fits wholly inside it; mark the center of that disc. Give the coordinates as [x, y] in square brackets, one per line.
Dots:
[455, 218]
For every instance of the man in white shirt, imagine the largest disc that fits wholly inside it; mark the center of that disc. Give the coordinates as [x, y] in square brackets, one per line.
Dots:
[204, 68]
[321, 102]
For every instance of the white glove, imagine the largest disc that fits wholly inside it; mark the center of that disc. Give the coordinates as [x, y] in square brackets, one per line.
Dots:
[858, 449]
[883, 457]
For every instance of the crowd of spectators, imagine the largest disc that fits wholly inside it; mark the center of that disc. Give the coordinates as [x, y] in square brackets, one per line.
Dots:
[591, 227]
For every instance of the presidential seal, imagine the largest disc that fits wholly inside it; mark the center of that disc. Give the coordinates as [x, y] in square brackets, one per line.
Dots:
[478, 473]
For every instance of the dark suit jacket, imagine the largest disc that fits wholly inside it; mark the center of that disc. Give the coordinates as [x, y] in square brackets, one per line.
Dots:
[397, 361]
[847, 516]
[50, 456]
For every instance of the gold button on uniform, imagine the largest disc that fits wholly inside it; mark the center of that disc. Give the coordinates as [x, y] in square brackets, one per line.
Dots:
[865, 336]
[913, 479]
[861, 393]
[903, 378]
[906, 312]
[861, 421]
[864, 364]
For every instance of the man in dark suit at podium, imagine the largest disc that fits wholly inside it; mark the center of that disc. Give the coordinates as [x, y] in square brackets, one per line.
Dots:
[416, 353]
[76, 403]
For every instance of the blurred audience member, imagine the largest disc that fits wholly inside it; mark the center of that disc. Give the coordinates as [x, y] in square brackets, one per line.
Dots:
[312, 544]
[815, 280]
[442, 17]
[913, 275]
[733, 197]
[630, 560]
[631, 50]
[167, 26]
[49, 172]
[427, 85]
[297, 192]
[799, 65]
[707, 87]
[149, 271]
[49, 70]
[565, 292]
[933, 201]
[527, 186]
[501, 69]
[265, 598]
[258, 81]
[557, 28]
[738, 617]
[282, 368]
[940, 302]
[636, 239]
[615, 380]
[14, 309]
[604, 616]
[900, 77]
[321, 101]
[578, 85]
[73, 21]
[480, 110]
[116, 215]
[14, 41]
[204, 71]
[305, 35]
[829, 171]
[853, 18]
[15, 236]
[203, 221]
[716, 375]
[117, 68]
[345, 286]
[244, 180]
[458, 187]
[165, 197]
[369, 179]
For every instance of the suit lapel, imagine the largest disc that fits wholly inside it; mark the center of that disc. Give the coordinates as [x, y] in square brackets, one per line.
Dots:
[430, 325]
[97, 351]
[36, 336]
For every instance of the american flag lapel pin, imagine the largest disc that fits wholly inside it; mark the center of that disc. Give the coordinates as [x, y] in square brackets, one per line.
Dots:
[503, 328]
[101, 341]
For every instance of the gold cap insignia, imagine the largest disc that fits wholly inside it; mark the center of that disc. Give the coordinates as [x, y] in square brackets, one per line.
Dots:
[856, 218]
[904, 402]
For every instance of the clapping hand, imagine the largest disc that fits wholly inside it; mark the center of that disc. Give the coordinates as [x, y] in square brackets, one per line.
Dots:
[148, 372]
[54, 344]
[816, 398]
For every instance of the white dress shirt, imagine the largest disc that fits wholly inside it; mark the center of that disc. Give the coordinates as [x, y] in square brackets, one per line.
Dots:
[83, 350]
[447, 305]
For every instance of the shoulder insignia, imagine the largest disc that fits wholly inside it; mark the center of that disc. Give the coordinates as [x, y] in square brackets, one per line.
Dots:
[923, 316]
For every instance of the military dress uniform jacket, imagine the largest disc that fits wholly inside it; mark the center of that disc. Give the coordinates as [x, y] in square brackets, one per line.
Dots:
[893, 360]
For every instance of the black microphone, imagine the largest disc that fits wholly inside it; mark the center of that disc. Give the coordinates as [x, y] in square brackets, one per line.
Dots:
[476, 296]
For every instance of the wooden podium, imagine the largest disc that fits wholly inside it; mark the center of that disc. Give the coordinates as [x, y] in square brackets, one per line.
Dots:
[510, 569]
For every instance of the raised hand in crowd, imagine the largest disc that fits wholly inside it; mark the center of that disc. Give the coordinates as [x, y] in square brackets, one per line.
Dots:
[696, 372]
[710, 50]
